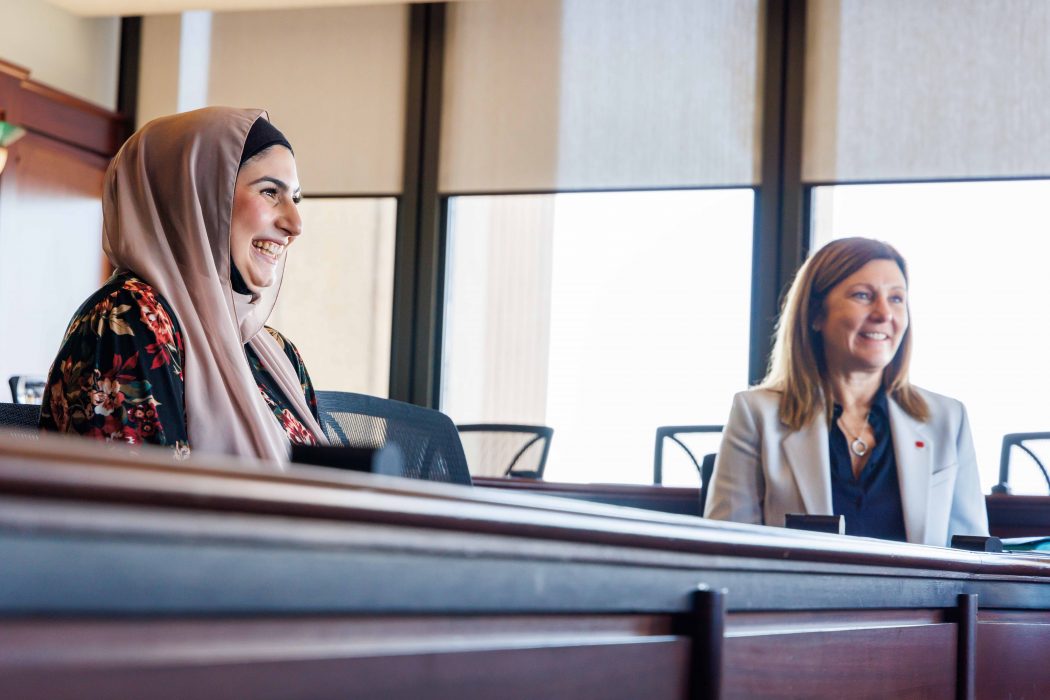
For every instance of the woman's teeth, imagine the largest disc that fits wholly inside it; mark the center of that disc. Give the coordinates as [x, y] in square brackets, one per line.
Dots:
[269, 248]
[875, 336]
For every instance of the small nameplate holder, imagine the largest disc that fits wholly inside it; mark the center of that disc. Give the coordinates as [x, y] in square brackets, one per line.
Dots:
[977, 543]
[385, 460]
[834, 524]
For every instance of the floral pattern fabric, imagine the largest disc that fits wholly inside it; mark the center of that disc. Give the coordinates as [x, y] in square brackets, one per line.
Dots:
[118, 375]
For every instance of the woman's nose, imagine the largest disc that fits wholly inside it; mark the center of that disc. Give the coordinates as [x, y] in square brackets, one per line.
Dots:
[291, 222]
[881, 308]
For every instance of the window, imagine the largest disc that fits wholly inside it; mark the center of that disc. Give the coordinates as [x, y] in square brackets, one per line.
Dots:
[335, 301]
[977, 253]
[602, 315]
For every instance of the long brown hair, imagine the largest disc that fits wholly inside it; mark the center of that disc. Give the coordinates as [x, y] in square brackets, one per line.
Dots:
[797, 367]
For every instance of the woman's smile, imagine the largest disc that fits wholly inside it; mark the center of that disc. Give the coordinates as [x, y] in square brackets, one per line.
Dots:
[265, 216]
[268, 250]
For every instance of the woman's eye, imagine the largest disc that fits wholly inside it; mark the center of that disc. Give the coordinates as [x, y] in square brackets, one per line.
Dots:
[863, 296]
[296, 199]
[270, 192]
[897, 299]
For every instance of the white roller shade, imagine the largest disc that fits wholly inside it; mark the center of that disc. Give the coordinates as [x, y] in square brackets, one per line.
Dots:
[594, 94]
[935, 89]
[333, 81]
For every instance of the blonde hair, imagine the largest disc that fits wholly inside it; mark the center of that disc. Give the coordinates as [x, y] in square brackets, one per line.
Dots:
[797, 367]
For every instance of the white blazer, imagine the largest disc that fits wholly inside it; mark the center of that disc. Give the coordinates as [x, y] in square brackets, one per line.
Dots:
[765, 470]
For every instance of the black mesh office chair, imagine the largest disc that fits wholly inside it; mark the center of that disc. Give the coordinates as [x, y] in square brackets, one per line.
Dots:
[506, 449]
[427, 439]
[26, 389]
[20, 417]
[1018, 440]
[704, 466]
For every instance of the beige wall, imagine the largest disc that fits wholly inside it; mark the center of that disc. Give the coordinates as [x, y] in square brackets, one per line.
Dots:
[332, 79]
[74, 54]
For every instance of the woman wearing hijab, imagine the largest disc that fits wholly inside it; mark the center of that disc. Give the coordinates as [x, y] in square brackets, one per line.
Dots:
[198, 212]
[836, 427]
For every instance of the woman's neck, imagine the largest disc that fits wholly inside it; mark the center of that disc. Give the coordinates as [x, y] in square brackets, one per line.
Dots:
[855, 391]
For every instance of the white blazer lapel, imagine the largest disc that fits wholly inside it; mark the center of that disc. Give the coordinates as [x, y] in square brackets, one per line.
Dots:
[913, 450]
[806, 452]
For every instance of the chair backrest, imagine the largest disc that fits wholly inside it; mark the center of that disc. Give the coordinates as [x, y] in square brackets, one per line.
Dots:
[1018, 440]
[19, 416]
[506, 449]
[26, 389]
[704, 465]
[427, 439]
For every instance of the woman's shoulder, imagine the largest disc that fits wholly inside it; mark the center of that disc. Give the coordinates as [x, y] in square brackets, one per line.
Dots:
[119, 304]
[759, 399]
[941, 406]
[126, 289]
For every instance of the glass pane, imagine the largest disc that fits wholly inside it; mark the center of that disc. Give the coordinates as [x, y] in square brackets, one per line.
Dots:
[336, 299]
[977, 254]
[602, 315]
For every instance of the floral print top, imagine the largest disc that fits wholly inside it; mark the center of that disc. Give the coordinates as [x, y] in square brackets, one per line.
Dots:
[118, 376]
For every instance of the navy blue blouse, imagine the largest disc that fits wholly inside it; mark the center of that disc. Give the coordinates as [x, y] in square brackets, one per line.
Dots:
[872, 501]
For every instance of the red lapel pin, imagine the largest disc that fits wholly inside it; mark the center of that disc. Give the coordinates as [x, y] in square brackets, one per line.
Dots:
[920, 443]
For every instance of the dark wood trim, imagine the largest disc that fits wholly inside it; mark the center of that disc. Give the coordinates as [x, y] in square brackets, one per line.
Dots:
[708, 637]
[779, 240]
[13, 71]
[1018, 516]
[58, 115]
[128, 82]
[60, 469]
[419, 248]
[666, 499]
[966, 684]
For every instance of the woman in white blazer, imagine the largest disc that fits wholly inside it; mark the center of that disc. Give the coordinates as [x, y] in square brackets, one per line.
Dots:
[836, 427]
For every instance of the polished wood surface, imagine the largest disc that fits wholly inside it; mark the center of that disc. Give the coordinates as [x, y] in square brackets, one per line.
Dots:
[667, 499]
[1018, 516]
[132, 575]
[45, 111]
[1008, 516]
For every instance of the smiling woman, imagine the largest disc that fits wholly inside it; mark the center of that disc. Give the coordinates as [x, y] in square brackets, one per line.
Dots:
[265, 215]
[837, 427]
[173, 349]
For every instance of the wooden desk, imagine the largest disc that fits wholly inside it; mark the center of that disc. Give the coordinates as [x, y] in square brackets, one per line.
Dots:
[1018, 516]
[666, 499]
[135, 577]
[1008, 516]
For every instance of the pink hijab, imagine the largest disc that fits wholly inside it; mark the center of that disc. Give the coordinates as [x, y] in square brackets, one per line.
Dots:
[167, 205]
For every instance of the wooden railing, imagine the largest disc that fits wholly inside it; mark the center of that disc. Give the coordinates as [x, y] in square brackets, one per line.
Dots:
[134, 576]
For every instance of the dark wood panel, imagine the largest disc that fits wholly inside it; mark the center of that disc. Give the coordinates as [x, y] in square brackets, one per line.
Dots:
[741, 624]
[1018, 516]
[629, 670]
[1031, 617]
[75, 469]
[880, 662]
[65, 118]
[666, 499]
[1013, 660]
[58, 115]
[131, 575]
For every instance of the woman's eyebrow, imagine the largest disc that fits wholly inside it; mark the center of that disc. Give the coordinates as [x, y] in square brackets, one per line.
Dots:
[266, 178]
